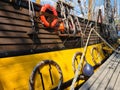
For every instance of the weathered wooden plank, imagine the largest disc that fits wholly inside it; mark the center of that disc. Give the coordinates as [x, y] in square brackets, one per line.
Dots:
[117, 84]
[17, 28]
[6, 34]
[93, 42]
[15, 41]
[88, 26]
[101, 77]
[6, 6]
[9, 14]
[114, 78]
[26, 41]
[6, 48]
[92, 79]
[12, 28]
[92, 37]
[50, 41]
[13, 21]
[108, 76]
[43, 31]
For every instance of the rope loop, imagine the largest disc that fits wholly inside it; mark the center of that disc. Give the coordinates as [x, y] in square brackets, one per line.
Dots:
[37, 69]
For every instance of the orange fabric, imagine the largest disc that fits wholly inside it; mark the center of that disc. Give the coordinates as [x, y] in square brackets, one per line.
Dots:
[61, 27]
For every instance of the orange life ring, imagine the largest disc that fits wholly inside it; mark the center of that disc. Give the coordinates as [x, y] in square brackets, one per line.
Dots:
[43, 19]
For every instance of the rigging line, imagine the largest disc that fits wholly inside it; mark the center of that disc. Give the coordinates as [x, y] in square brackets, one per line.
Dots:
[56, 3]
[88, 20]
[73, 9]
[81, 9]
[32, 15]
[81, 60]
[85, 49]
[106, 42]
[87, 24]
[31, 9]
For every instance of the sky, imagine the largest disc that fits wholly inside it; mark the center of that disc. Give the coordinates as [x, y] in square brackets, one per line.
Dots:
[98, 4]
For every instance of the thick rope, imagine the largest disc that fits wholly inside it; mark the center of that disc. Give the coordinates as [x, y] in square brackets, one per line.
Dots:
[31, 12]
[85, 49]
[81, 60]
[38, 67]
[32, 15]
[106, 42]
[31, 9]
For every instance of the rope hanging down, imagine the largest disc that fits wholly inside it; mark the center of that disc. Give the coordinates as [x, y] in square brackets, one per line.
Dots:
[84, 52]
[31, 12]
[32, 17]
[106, 42]
[34, 31]
[81, 60]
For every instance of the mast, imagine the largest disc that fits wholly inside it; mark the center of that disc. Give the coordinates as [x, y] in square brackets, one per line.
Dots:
[79, 2]
[115, 9]
[37, 1]
[108, 12]
[109, 20]
[90, 9]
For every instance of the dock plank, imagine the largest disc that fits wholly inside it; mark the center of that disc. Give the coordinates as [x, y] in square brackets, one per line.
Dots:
[89, 84]
[96, 75]
[117, 85]
[102, 77]
[108, 76]
[114, 78]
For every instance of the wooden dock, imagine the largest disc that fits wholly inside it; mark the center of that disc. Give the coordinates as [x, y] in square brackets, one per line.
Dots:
[107, 77]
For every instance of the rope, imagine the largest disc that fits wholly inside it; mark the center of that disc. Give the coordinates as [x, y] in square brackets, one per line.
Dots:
[106, 42]
[76, 59]
[32, 15]
[84, 52]
[86, 27]
[38, 67]
[81, 60]
[63, 14]
[81, 9]
[31, 10]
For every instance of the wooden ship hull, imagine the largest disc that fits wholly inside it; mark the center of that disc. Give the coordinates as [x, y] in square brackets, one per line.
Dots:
[21, 53]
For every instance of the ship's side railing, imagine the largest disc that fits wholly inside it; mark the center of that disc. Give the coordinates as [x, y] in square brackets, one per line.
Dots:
[16, 26]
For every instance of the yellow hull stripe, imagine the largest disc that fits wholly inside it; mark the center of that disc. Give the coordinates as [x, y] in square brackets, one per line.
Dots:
[15, 71]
